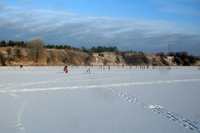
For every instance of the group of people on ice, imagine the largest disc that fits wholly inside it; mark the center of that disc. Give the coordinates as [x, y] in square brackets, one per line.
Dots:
[65, 68]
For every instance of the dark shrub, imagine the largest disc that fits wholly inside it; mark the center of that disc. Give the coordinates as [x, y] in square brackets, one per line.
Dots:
[186, 62]
[178, 61]
[101, 55]
[117, 60]
[183, 55]
[2, 59]
[161, 54]
[192, 59]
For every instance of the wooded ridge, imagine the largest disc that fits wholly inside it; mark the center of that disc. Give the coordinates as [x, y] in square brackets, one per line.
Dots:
[35, 53]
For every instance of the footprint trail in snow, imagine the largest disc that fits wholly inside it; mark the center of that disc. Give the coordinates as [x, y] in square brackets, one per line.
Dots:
[191, 125]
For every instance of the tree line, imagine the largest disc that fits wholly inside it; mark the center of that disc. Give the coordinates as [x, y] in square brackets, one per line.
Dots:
[35, 51]
[97, 49]
[11, 43]
[181, 57]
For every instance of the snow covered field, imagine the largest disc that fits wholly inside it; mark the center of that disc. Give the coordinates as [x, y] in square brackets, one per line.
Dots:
[46, 100]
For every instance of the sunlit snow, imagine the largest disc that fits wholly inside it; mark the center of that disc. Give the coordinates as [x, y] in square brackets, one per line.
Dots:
[46, 100]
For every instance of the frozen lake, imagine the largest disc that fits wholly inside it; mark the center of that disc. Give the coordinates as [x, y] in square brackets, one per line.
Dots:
[46, 100]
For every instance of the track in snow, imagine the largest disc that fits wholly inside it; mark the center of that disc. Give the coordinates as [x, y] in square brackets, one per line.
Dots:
[191, 125]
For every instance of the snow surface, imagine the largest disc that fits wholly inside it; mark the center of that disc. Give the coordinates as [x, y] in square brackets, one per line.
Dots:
[46, 100]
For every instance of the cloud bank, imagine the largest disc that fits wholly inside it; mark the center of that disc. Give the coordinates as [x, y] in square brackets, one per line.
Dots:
[57, 27]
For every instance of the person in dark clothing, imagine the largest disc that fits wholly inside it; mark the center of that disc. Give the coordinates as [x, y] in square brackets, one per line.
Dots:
[65, 69]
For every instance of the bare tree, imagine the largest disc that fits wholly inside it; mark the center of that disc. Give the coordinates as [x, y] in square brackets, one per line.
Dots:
[62, 57]
[36, 48]
[53, 56]
[9, 52]
[2, 59]
[18, 52]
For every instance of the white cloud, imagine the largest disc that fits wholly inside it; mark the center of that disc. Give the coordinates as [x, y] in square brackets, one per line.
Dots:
[57, 27]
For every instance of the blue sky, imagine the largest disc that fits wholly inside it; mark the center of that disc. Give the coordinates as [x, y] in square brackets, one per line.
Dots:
[140, 25]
